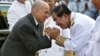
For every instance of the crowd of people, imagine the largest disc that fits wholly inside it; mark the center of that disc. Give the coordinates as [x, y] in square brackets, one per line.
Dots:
[53, 28]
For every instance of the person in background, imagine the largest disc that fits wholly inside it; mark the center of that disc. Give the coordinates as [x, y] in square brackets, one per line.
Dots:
[89, 9]
[27, 36]
[17, 10]
[76, 6]
[31, 1]
[54, 50]
[83, 6]
[80, 25]
[65, 1]
[94, 43]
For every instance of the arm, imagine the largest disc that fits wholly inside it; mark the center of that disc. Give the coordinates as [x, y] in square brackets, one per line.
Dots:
[31, 40]
[79, 39]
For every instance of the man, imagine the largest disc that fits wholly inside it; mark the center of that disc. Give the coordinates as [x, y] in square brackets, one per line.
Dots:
[94, 43]
[80, 26]
[26, 36]
[17, 10]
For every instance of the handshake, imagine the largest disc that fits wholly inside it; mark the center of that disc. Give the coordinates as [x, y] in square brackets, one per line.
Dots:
[54, 33]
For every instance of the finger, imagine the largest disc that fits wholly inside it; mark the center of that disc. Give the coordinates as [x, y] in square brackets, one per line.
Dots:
[56, 29]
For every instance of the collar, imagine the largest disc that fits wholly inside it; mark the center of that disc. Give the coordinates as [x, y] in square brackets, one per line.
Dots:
[72, 16]
[71, 22]
[36, 22]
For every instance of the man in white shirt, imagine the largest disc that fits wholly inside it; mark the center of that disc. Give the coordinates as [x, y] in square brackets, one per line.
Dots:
[80, 26]
[94, 43]
[18, 9]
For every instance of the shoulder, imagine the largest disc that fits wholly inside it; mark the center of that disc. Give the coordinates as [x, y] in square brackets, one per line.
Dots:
[98, 21]
[84, 21]
[82, 18]
[13, 7]
[22, 24]
[98, 18]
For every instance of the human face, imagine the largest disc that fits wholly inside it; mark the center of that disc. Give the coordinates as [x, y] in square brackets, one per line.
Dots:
[63, 22]
[22, 1]
[96, 3]
[41, 14]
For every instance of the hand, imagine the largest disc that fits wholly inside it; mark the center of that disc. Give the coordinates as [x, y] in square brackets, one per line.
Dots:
[48, 31]
[52, 32]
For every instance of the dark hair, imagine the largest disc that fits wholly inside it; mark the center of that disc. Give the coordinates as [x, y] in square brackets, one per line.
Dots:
[60, 10]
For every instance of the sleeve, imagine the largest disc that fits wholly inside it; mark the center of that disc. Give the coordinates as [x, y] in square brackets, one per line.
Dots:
[31, 41]
[79, 38]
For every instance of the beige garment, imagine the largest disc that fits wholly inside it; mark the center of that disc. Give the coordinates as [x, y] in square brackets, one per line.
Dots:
[69, 53]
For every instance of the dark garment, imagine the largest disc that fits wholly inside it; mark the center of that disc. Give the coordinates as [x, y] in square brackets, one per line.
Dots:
[25, 39]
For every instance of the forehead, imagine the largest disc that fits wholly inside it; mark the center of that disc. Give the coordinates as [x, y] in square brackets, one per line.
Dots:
[43, 6]
[44, 9]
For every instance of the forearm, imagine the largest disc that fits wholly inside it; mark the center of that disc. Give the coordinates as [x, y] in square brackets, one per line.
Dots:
[60, 41]
[45, 42]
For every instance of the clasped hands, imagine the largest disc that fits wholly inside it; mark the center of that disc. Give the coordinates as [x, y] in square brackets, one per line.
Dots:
[53, 33]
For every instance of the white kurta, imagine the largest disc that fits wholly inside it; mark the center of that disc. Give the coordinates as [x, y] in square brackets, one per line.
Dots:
[94, 43]
[55, 50]
[17, 11]
[80, 33]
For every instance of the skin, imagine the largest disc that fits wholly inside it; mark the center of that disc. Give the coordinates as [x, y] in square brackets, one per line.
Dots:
[96, 3]
[41, 12]
[51, 31]
[21, 1]
[63, 22]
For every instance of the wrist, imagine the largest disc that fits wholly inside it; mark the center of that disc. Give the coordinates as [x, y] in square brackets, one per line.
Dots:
[60, 40]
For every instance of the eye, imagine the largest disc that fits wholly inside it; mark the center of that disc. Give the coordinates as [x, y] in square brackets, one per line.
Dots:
[46, 12]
